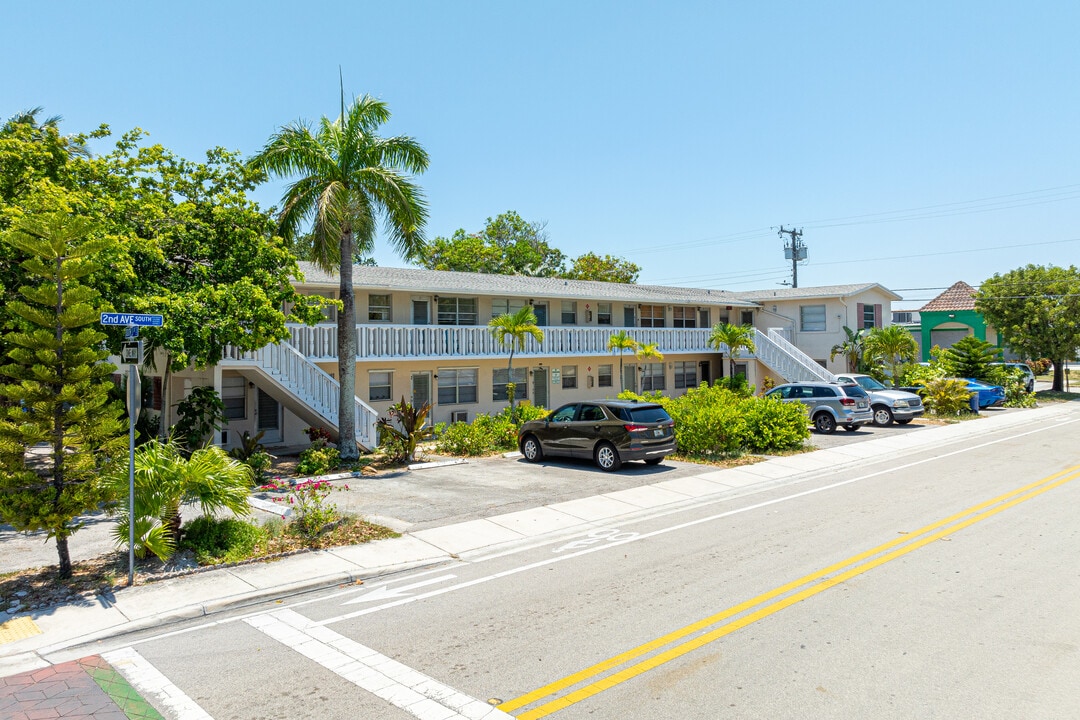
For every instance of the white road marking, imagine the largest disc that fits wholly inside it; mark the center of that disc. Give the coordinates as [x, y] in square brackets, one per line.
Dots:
[151, 684]
[412, 691]
[383, 592]
[663, 531]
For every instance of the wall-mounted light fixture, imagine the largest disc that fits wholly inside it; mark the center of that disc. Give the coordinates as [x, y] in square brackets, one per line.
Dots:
[436, 298]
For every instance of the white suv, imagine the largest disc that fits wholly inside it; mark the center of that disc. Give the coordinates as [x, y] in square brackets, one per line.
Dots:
[888, 404]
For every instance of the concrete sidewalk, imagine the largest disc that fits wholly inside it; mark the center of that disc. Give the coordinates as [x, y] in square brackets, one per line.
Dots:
[41, 633]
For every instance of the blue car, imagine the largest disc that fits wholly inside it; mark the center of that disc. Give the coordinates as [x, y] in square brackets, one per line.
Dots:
[989, 395]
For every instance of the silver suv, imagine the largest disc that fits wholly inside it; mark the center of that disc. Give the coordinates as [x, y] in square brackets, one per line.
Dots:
[886, 403]
[828, 404]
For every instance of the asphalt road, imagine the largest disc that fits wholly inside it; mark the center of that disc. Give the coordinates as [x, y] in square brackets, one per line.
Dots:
[941, 584]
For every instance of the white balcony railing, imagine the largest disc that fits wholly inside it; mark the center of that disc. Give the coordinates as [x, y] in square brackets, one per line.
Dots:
[319, 342]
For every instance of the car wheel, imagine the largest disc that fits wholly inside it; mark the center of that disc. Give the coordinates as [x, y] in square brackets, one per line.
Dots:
[654, 461]
[607, 457]
[882, 416]
[851, 428]
[530, 449]
[825, 423]
[904, 422]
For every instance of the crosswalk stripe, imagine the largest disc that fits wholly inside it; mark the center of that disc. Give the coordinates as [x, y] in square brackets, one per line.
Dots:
[412, 691]
[151, 683]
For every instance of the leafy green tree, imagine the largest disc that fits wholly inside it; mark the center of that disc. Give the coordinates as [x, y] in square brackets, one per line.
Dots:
[736, 338]
[970, 357]
[348, 177]
[890, 347]
[164, 480]
[508, 245]
[189, 244]
[621, 342]
[1036, 311]
[515, 327]
[852, 349]
[59, 389]
[608, 268]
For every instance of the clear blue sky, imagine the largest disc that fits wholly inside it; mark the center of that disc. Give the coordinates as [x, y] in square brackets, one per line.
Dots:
[915, 143]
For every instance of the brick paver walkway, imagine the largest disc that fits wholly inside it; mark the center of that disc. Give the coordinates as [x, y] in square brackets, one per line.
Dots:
[85, 689]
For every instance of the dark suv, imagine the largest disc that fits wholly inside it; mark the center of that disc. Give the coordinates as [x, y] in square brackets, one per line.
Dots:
[608, 431]
[828, 404]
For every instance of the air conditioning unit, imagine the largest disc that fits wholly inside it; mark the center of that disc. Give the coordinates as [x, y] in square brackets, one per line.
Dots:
[459, 416]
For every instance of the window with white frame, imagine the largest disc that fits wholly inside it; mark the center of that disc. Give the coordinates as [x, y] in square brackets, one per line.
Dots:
[652, 377]
[506, 306]
[902, 317]
[569, 312]
[569, 376]
[234, 395]
[604, 375]
[457, 385]
[812, 318]
[684, 317]
[457, 311]
[652, 316]
[380, 385]
[378, 308]
[499, 380]
[603, 313]
[686, 374]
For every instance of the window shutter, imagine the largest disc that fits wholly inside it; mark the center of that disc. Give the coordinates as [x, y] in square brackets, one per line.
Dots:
[860, 323]
[877, 315]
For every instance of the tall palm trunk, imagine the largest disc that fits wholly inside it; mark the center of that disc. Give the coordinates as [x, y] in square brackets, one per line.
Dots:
[346, 328]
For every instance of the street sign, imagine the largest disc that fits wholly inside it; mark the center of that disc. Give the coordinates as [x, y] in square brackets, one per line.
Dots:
[139, 319]
[131, 332]
[131, 352]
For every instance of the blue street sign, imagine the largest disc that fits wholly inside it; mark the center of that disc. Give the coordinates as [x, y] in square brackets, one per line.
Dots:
[138, 319]
[131, 332]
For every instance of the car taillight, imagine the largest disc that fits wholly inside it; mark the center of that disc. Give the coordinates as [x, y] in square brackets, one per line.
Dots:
[635, 428]
[846, 401]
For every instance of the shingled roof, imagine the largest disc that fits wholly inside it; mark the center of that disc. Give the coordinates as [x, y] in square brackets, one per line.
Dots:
[960, 296]
[447, 281]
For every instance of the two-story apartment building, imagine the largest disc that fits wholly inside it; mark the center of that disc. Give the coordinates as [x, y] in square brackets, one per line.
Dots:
[423, 335]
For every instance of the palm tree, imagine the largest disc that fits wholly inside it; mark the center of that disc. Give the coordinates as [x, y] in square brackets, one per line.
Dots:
[852, 348]
[648, 351]
[736, 338]
[348, 178]
[891, 346]
[515, 327]
[622, 342]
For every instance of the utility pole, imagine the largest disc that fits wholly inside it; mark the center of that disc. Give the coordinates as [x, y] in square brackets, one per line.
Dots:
[794, 250]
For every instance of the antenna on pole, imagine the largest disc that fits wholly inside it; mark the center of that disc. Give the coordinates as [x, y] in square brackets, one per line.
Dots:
[794, 250]
[341, 84]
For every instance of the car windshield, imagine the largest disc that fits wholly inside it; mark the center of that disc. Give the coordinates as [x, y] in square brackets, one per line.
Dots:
[868, 383]
[645, 414]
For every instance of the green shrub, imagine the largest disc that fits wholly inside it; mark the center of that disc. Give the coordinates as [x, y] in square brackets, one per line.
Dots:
[215, 541]
[1040, 366]
[946, 396]
[483, 435]
[525, 413]
[772, 425]
[319, 459]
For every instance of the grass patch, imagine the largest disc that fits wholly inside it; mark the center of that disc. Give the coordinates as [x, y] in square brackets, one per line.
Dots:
[1055, 396]
[729, 461]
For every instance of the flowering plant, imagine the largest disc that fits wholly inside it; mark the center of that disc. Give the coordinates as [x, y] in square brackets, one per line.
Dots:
[312, 512]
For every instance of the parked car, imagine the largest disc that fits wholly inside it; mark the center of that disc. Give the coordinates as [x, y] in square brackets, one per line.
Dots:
[989, 395]
[1026, 374]
[608, 431]
[828, 404]
[887, 404]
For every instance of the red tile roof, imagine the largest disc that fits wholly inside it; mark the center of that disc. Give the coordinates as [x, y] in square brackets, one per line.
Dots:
[960, 296]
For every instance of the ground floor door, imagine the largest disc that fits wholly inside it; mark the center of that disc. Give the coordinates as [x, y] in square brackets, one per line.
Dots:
[703, 371]
[540, 387]
[421, 388]
[630, 377]
[268, 417]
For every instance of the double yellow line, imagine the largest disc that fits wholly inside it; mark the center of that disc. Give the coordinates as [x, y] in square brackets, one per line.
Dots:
[766, 604]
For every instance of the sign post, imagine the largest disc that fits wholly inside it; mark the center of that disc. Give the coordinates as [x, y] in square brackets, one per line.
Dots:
[131, 354]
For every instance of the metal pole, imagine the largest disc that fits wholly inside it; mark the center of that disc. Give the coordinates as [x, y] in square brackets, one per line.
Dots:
[131, 473]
